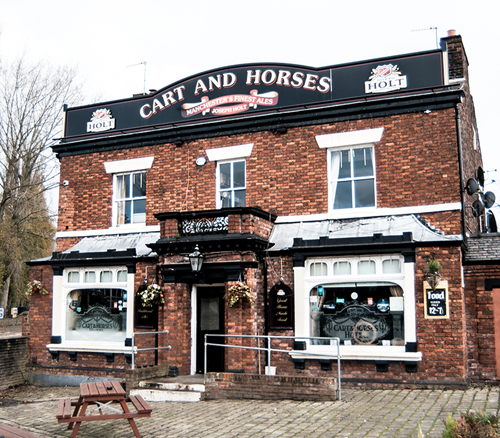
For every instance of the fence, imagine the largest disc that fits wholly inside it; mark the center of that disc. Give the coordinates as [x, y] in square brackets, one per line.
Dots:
[135, 350]
[269, 350]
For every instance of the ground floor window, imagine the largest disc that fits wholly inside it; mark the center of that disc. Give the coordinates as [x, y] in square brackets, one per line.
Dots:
[359, 299]
[358, 314]
[96, 304]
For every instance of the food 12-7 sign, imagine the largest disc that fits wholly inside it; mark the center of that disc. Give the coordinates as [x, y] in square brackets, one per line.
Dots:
[436, 301]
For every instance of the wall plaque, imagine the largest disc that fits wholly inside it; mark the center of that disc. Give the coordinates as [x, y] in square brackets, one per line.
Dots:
[145, 316]
[436, 301]
[281, 307]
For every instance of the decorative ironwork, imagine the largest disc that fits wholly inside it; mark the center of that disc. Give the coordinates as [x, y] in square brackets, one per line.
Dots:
[192, 227]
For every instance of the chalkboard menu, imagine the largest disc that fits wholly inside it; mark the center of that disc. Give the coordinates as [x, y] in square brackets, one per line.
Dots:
[436, 301]
[145, 316]
[281, 307]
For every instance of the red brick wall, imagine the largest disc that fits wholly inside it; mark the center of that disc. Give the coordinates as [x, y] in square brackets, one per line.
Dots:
[416, 165]
[481, 344]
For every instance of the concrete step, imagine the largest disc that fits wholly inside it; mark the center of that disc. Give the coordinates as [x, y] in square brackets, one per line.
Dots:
[171, 390]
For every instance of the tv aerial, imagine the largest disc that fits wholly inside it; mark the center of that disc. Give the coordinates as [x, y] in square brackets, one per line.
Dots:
[141, 63]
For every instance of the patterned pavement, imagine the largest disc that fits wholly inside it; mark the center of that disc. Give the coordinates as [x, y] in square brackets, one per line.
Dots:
[361, 413]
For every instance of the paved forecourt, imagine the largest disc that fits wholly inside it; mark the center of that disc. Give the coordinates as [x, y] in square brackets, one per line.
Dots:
[362, 413]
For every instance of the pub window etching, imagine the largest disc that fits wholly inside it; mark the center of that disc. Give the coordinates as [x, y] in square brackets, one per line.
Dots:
[96, 305]
[359, 304]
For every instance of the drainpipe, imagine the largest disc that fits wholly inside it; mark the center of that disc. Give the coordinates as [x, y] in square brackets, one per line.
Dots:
[461, 173]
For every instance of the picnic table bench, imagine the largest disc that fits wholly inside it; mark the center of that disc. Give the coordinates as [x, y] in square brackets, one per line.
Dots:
[104, 395]
[7, 431]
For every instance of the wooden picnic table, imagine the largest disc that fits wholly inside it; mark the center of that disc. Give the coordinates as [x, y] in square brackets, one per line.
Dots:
[103, 395]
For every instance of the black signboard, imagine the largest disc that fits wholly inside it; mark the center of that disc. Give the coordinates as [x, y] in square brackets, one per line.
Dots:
[249, 89]
[145, 316]
[281, 307]
[436, 301]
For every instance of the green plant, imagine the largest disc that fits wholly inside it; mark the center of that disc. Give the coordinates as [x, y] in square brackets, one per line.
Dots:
[433, 267]
[471, 425]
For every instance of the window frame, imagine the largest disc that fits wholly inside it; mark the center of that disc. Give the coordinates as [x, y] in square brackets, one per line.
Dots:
[231, 189]
[334, 180]
[305, 283]
[131, 198]
[122, 167]
[62, 288]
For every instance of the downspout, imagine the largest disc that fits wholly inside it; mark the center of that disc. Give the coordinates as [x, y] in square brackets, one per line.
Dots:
[461, 172]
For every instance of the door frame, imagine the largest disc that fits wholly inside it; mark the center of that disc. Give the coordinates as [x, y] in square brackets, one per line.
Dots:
[194, 321]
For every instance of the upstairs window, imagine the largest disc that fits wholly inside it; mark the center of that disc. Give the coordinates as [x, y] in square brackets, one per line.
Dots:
[231, 184]
[130, 198]
[129, 189]
[352, 182]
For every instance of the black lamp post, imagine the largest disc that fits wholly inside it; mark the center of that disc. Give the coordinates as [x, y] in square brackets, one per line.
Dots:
[196, 260]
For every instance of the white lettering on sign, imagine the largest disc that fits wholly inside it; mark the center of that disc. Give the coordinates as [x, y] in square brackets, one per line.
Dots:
[148, 110]
[268, 77]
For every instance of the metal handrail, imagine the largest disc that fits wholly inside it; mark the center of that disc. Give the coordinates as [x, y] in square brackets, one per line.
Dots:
[135, 350]
[269, 350]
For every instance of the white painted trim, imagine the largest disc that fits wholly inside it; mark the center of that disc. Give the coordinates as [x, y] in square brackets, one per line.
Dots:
[303, 284]
[58, 306]
[130, 165]
[349, 353]
[194, 312]
[351, 138]
[370, 212]
[229, 152]
[125, 229]
[91, 347]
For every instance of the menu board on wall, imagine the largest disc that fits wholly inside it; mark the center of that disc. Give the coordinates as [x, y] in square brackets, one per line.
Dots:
[145, 317]
[281, 307]
[436, 301]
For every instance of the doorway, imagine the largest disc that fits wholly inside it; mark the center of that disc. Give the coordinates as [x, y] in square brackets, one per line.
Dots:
[209, 320]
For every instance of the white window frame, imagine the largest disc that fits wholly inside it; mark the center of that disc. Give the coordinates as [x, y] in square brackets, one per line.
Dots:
[304, 283]
[121, 167]
[131, 198]
[62, 288]
[343, 141]
[231, 190]
[333, 179]
[228, 154]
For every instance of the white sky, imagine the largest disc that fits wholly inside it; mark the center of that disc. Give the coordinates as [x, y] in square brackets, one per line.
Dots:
[178, 38]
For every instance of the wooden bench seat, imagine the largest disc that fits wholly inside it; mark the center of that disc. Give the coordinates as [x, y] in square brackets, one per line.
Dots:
[141, 405]
[13, 432]
[64, 409]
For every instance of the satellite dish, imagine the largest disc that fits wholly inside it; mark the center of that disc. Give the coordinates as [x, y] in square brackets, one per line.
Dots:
[480, 176]
[491, 222]
[472, 186]
[477, 208]
[489, 199]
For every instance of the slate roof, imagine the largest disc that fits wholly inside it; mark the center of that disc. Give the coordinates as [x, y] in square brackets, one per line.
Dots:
[483, 248]
[117, 242]
[283, 233]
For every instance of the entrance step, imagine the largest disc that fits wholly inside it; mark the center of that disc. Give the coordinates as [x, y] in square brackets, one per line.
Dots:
[176, 389]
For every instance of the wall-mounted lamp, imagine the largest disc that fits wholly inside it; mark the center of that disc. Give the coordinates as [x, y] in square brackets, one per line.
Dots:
[196, 260]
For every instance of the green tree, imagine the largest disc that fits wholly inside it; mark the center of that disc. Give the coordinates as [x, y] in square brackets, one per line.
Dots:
[31, 108]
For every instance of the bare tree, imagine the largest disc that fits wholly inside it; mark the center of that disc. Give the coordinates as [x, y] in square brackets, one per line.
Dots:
[31, 104]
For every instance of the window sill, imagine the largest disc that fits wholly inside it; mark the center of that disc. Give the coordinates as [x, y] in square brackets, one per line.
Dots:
[83, 347]
[357, 352]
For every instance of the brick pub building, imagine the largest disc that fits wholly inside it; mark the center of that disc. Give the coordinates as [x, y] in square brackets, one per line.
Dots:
[329, 192]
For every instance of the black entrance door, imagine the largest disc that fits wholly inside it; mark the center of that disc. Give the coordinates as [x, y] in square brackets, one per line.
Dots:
[210, 320]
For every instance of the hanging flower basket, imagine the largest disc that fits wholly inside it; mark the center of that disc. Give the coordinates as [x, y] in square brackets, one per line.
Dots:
[238, 292]
[35, 287]
[433, 274]
[152, 296]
